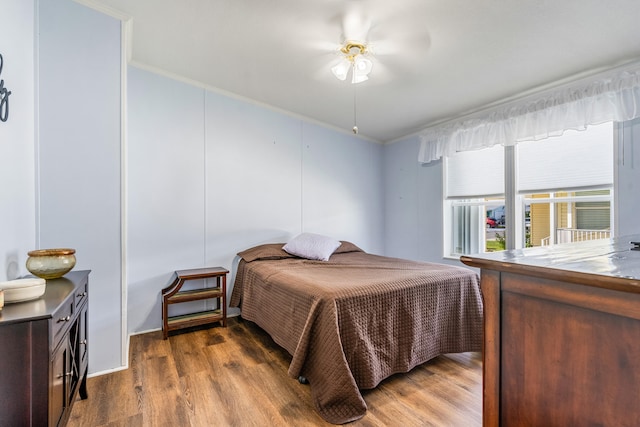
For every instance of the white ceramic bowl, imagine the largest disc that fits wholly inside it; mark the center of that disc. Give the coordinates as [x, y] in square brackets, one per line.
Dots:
[19, 290]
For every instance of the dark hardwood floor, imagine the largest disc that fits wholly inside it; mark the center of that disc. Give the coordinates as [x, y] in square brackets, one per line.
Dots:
[237, 376]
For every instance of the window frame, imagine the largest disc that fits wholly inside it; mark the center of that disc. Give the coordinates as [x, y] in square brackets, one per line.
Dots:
[515, 203]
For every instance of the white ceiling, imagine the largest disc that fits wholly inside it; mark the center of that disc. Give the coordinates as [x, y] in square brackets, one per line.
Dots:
[434, 59]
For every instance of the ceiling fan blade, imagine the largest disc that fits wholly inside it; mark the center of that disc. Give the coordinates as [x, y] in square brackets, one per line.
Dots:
[402, 46]
[355, 22]
[390, 36]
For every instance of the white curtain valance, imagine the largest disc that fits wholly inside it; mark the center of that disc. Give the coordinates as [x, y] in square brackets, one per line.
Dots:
[611, 98]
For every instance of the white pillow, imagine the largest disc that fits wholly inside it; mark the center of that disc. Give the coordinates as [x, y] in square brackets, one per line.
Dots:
[312, 246]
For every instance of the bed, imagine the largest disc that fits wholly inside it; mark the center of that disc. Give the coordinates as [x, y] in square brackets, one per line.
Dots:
[358, 318]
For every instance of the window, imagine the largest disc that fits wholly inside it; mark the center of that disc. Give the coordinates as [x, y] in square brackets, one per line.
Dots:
[536, 193]
[474, 184]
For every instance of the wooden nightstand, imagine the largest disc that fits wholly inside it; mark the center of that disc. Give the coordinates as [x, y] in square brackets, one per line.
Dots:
[173, 295]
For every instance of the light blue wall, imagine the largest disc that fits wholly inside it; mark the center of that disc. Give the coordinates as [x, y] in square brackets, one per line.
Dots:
[206, 175]
[209, 176]
[401, 189]
[413, 204]
[17, 171]
[628, 180]
[341, 182]
[78, 159]
[413, 197]
[165, 181]
[254, 177]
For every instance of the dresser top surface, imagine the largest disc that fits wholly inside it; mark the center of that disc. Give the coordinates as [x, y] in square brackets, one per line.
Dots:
[56, 292]
[610, 261]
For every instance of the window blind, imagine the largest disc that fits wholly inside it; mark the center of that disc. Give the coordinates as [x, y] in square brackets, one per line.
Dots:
[472, 174]
[577, 159]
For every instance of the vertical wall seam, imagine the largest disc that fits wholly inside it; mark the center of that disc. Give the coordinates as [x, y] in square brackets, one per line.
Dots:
[125, 28]
[36, 119]
[205, 175]
[301, 176]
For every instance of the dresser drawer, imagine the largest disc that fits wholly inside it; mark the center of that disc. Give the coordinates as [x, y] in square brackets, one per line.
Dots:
[61, 320]
[81, 294]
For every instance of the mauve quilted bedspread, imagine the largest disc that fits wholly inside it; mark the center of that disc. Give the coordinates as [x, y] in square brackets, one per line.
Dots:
[358, 318]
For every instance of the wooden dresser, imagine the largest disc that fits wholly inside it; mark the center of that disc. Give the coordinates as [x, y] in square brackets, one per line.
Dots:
[44, 354]
[562, 334]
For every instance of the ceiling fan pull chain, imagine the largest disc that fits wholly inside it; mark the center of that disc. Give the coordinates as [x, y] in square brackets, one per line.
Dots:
[355, 121]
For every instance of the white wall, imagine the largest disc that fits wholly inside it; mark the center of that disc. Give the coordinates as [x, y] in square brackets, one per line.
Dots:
[17, 197]
[211, 175]
[79, 106]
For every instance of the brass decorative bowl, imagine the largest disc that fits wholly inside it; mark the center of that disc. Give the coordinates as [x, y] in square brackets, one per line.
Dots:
[51, 263]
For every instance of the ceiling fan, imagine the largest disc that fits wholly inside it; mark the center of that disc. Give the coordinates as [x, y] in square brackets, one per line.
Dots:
[355, 31]
[355, 57]
[384, 48]
[366, 45]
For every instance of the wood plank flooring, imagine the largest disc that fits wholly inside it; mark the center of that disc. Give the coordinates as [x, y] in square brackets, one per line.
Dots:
[237, 376]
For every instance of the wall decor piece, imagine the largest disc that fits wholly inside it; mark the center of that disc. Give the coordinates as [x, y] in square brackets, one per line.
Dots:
[4, 96]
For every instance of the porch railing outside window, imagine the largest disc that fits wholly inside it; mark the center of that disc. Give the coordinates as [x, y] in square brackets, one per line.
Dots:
[567, 235]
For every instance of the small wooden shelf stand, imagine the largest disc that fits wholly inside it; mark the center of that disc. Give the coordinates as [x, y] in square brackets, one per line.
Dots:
[173, 295]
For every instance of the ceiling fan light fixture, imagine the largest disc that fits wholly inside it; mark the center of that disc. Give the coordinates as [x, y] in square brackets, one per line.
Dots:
[341, 69]
[362, 66]
[358, 77]
[353, 61]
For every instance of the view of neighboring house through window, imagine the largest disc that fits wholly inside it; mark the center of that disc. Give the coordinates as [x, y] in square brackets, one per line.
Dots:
[563, 192]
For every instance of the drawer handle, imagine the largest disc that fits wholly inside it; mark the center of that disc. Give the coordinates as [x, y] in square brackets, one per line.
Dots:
[83, 294]
[68, 374]
[83, 342]
[64, 319]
